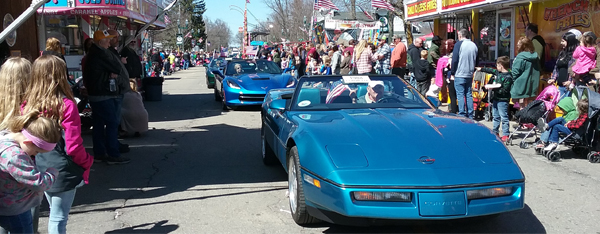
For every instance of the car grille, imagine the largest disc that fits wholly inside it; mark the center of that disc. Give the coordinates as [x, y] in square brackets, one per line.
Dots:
[252, 97]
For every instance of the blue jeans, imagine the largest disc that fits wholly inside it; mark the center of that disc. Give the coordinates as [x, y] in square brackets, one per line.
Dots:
[186, 64]
[556, 126]
[412, 81]
[463, 88]
[105, 115]
[60, 206]
[383, 71]
[21, 223]
[500, 112]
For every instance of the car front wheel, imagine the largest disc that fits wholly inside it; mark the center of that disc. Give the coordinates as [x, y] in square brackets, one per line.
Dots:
[217, 95]
[296, 191]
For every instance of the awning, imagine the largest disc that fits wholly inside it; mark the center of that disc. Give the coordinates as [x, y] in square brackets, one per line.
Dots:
[423, 10]
[101, 11]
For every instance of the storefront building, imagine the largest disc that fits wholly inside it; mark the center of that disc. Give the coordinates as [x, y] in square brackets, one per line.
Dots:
[73, 21]
[497, 25]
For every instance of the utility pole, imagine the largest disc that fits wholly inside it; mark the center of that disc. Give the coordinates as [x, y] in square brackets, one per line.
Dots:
[245, 42]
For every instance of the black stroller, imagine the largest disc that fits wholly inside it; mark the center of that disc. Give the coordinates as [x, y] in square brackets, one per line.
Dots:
[583, 140]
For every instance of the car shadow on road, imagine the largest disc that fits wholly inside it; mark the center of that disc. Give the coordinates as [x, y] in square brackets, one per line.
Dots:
[158, 227]
[522, 221]
[176, 107]
[170, 161]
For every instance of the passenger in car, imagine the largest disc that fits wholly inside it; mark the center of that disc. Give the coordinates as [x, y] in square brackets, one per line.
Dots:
[375, 91]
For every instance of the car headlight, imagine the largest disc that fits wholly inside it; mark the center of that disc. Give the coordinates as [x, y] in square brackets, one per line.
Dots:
[489, 192]
[232, 84]
[291, 83]
[382, 196]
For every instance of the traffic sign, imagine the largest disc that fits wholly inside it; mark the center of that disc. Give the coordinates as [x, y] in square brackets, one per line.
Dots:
[179, 39]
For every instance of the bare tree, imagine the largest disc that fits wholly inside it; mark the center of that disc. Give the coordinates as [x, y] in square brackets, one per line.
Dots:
[218, 34]
[287, 18]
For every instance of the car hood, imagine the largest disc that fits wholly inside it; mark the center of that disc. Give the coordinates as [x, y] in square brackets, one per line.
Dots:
[399, 146]
[261, 81]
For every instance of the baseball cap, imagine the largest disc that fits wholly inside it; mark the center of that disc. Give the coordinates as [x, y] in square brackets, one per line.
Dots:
[102, 34]
[374, 83]
[382, 37]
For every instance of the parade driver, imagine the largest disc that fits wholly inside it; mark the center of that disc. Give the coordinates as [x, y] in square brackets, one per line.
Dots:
[375, 91]
[238, 68]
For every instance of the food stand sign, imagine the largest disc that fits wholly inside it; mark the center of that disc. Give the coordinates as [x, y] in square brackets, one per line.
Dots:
[420, 8]
[452, 4]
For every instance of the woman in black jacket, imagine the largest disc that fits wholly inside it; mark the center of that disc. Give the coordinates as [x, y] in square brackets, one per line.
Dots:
[560, 75]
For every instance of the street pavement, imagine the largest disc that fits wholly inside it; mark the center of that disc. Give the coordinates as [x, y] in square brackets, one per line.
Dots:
[199, 170]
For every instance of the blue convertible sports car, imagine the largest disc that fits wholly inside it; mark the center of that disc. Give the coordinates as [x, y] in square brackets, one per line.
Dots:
[363, 148]
[246, 82]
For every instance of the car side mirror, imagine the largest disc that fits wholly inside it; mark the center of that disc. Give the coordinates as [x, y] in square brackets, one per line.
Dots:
[434, 101]
[217, 72]
[278, 104]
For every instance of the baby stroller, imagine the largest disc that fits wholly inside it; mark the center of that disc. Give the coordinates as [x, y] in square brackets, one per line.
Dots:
[582, 140]
[480, 97]
[532, 113]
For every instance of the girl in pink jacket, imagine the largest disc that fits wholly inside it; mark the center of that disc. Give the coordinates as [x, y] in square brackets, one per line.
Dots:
[585, 56]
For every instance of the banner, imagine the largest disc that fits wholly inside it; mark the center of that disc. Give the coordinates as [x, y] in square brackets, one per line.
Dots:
[421, 7]
[349, 24]
[456, 4]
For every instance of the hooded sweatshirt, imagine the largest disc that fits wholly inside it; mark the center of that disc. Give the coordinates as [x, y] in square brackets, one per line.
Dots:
[422, 70]
[414, 54]
[464, 58]
[570, 112]
[586, 59]
[526, 75]
[22, 185]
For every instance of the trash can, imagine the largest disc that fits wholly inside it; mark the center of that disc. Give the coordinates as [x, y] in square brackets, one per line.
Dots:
[153, 88]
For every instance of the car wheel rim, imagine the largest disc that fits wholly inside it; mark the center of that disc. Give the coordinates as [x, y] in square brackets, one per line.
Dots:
[292, 184]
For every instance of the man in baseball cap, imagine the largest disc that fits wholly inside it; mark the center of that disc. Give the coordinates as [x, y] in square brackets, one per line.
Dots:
[101, 77]
[384, 55]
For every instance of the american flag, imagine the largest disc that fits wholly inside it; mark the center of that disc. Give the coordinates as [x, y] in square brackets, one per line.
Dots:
[382, 4]
[189, 34]
[336, 89]
[366, 13]
[327, 4]
[167, 20]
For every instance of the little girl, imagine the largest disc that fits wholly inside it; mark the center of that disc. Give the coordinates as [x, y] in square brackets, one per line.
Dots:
[21, 183]
[284, 63]
[585, 55]
[326, 68]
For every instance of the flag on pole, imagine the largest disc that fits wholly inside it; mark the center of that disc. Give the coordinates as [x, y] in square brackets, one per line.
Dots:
[335, 90]
[167, 20]
[327, 4]
[382, 4]
[189, 34]
[366, 13]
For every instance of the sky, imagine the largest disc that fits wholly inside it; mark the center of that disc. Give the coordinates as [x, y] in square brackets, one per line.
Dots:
[219, 9]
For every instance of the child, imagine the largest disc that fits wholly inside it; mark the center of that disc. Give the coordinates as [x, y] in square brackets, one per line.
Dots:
[500, 96]
[326, 68]
[422, 71]
[560, 125]
[284, 63]
[14, 78]
[22, 183]
[312, 68]
[585, 55]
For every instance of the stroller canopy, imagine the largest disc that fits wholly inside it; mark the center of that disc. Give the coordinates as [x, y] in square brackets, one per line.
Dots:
[582, 92]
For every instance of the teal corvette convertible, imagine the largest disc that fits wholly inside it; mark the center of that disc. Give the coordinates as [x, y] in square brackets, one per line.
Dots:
[362, 148]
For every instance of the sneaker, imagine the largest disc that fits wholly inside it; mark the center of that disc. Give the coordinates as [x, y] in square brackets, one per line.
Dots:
[117, 160]
[551, 146]
[504, 138]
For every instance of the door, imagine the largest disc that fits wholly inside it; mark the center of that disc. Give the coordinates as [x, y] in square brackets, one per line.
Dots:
[505, 34]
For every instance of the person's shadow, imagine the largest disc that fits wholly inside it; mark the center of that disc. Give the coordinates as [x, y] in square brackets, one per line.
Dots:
[158, 227]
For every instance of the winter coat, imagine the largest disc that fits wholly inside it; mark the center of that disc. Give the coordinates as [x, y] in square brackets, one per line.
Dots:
[505, 80]
[134, 64]
[434, 54]
[99, 64]
[414, 54]
[586, 59]
[422, 70]
[526, 75]
[569, 109]
[345, 66]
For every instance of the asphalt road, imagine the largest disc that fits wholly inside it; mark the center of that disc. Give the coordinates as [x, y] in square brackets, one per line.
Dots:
[199, 170]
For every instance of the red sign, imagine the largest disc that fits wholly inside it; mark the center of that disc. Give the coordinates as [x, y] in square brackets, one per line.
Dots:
[101, 3]
[421, 7]
[451, 4]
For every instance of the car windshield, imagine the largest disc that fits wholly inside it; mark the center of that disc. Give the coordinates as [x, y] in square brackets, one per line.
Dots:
[238, 67]
[356, 92]
[218, 62]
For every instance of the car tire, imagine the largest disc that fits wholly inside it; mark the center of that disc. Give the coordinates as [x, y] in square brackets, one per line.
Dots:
[223, 104]
[268, 155]
[296, 191]
[217, 95]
